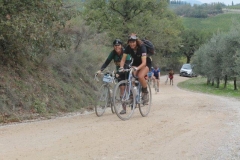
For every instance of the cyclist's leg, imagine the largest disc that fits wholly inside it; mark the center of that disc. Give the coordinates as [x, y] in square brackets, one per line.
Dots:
[141, 74]
[124, 100]
[122, 76]
[158, 81]
[153, 79]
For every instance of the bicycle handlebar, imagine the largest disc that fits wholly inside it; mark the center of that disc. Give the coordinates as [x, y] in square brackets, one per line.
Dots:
[96, 75]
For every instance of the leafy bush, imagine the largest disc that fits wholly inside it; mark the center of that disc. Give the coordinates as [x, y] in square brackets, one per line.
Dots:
[33, 27]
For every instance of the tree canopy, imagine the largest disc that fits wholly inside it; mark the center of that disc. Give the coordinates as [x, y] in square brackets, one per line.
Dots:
[191, 41]
[220, 56]
[149, 19]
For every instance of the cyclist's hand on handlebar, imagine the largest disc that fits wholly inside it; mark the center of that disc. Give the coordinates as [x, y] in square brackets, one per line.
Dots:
[98, 72]
[135, 68]
[121, 69]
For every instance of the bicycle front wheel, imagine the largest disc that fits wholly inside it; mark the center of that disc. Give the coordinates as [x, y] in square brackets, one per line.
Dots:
[111, 105]
[102, 100]
[144, 108]
[124, 101]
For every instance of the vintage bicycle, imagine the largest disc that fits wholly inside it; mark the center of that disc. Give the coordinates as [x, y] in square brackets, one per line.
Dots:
[131, 97]
[104, 94]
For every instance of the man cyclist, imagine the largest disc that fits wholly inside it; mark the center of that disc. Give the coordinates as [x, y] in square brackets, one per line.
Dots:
[141, 63]
[150, 76]
[156, 77]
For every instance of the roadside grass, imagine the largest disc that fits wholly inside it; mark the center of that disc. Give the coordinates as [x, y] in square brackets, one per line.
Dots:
[199, 84]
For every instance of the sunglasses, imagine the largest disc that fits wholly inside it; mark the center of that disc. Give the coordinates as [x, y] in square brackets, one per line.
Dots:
[132, 37]
[117, 45]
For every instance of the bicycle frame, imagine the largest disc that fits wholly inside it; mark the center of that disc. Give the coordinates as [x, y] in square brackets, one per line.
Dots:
[130, 79]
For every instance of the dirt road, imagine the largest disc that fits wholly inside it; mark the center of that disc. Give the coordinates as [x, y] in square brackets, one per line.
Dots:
[181, 125]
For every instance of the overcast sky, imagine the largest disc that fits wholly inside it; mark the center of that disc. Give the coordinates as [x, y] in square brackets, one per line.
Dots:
[227, 2]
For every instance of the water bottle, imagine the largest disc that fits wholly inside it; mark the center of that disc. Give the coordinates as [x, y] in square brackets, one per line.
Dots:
[111, 92]
[135, 91]
[136, 83]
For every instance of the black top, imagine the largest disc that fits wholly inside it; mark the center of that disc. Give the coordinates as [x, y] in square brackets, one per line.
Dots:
[117, 59]
[137, 57]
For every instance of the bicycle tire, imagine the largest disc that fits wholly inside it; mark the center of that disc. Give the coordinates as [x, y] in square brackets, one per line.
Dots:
[112, 106]
[145, 108]
[119, 103]
[102, 100]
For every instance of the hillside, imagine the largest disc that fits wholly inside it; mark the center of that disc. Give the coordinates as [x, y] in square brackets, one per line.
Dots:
[221, 22]
[54, 86]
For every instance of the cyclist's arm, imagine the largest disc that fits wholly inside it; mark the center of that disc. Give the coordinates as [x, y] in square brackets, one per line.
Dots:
[144, 62]
[108, 60]
[123, 60]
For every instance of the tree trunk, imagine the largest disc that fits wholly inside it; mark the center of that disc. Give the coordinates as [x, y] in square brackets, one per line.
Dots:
[218, 82]
[212, 81]
[188, 59]
[235, 83]
[225, 81]
[208, 81]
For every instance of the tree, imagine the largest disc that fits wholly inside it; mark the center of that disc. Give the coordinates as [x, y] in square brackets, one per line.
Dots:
[220, 57]
[149, 18]
[191, 41]
[32, 27]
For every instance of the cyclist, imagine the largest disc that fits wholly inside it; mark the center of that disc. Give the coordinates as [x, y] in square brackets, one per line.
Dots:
[156, 76]
[141, 63]
[116, 55]
[170, 75]
[150, 75]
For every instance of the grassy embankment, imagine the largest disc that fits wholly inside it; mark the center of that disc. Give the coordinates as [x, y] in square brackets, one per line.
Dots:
[199, 84]
[213, 24]
[62, 82]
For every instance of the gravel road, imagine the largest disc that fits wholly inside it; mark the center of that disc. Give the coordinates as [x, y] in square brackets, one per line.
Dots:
[181, 125]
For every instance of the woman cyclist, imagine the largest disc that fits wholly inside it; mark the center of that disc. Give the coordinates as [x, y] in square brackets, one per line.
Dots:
[141, 63]
[116, 55]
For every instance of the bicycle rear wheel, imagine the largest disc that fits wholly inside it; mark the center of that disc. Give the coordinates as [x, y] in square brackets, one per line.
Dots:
[123, 101]
[102, 100]
[144, 108]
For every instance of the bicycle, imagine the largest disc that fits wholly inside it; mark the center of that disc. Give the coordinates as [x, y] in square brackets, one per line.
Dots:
[104, 94]
[131, 97]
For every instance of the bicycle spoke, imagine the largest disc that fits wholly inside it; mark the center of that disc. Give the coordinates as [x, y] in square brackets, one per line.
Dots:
[124, 101]
[144, 108]
[102, 100]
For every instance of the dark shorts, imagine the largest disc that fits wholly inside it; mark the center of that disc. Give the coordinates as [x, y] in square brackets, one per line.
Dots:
[122, 76]
[149, 63]
[157, 77]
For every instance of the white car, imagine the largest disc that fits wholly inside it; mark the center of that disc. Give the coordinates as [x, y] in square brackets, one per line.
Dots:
[187, 70]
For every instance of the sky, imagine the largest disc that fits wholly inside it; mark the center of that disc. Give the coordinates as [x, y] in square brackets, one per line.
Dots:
[227, 2]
